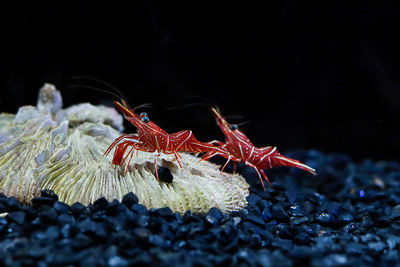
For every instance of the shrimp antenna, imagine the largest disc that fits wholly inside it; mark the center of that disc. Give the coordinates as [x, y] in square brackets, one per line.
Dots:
[188, 105]
[233, 117]
[94, 88]
[206, 102]
[218, 110]
[120, 95]
[242, 123]
[146, 105]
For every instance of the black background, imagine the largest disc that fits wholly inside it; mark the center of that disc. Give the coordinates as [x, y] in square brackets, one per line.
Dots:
[305, 75]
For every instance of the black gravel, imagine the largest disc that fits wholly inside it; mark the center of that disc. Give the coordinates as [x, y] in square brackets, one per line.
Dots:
[347, 215]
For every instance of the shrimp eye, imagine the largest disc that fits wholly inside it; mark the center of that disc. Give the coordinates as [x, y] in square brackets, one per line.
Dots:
[233, 127]
[145, 119]
[143, 114]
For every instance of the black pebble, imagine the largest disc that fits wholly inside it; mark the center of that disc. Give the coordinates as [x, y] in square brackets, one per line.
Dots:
[369, 237]
[264, 194]
[330, 260]
[39, 201]
[393, 241]
[143, 220]
[323, 218]
[395, 213]
[301, 252]
[212, 221]
[280, 214]
[165, 212]
[283, 244]
[351, 227]
[297, 221]
[3, 223]
[61, 207]
[93, 229]
[255, 219]
[113, 208]
[355, 248]
[117, 261]
[48, 217]
[130, 199]
[302, 238]
[139, 209]
[66, 219]
[377, 246]
[164, 174]
[10, 204]
[312, 229]
[100, 204]
[142, 233]
[383, 221]
[345, 218]
[77, 208]
[216, 213]
[252, 199]
[17, 216]
[291, 194]
[297, 210]
[283, 231]
[49, 194]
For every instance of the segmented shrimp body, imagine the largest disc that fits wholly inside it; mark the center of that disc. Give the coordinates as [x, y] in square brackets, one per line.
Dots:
[240, 149]
[152, 138]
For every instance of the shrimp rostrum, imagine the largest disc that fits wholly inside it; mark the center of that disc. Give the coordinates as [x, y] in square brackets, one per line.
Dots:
[152, 138]
[240, 149]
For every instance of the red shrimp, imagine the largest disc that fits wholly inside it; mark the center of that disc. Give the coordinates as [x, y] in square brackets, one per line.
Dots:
[241, 149]
[152, 138]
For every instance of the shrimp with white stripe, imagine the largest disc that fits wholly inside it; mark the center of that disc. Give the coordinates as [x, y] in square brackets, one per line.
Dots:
[152, 138]
[241, 149]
